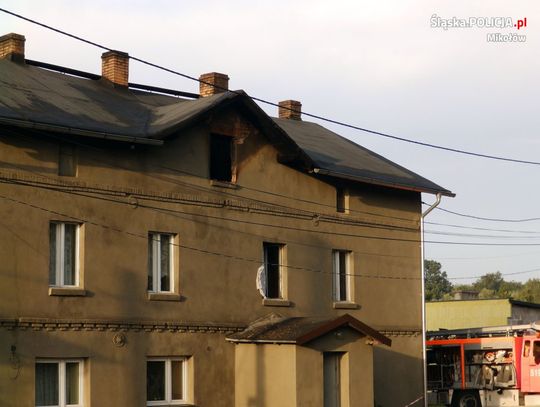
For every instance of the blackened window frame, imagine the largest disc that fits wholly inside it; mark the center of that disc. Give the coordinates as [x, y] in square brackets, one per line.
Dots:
[273, 258]
[222, 158]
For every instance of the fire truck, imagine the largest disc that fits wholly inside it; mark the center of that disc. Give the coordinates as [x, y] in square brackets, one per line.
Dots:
[483, 367]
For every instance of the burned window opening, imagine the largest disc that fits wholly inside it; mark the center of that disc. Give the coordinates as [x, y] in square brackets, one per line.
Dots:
[272, 264]
[221, 158]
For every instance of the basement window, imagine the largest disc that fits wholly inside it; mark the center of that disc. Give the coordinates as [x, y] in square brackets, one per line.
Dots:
[221, 158]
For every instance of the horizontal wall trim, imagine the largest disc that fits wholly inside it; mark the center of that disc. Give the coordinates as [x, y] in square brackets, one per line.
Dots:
[51, 324]
[47, 324]
[133, 195]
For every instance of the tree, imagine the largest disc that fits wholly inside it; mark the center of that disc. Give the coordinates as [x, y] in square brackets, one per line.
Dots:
[489, 281]
[530, 291]
[436, 280]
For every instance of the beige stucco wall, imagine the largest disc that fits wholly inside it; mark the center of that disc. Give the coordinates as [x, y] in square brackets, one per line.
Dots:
[265, 375]
[219, 287]
[291, 375]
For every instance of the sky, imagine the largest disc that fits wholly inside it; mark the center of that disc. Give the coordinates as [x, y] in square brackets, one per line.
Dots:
[387, 66]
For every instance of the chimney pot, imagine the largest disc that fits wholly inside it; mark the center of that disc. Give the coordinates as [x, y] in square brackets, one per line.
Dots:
[12, 47]
[115, 67]
[290, 109]
[213, 83]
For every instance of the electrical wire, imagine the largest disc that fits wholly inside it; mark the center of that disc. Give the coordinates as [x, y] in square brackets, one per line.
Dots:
[183, 246]
[479, 228]
[322, 118]
[225, 255]
[484, 218]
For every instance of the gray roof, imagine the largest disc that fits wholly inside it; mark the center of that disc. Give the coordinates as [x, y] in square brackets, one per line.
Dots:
[40, 98]
[337, 156]
[301, 330]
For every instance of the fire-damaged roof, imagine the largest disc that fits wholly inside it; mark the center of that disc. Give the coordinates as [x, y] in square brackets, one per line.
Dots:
[301, 330]
[43, 99]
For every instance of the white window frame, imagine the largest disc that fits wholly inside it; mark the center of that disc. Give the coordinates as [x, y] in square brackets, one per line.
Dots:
[60, 252]
[336, 274]
[62, 380]
[156, 262]
[168, 381]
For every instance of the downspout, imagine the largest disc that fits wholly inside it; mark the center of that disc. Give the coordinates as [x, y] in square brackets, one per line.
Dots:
[424, 366]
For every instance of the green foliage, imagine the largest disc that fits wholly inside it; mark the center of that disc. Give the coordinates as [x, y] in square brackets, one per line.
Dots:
[437, 283]
[530, 291]
[489, 281]
[490, 285]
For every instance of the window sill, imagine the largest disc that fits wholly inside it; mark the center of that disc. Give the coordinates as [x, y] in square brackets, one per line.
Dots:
[164, 297]
[345, 305]
[276, 302]
[67, 291]
[223, 184]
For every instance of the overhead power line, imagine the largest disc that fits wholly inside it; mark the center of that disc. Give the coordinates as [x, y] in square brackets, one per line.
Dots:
[464, 215]
[322, 118]
[221, 254]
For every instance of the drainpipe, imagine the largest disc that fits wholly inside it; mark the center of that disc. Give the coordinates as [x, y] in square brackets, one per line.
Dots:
[427, 211]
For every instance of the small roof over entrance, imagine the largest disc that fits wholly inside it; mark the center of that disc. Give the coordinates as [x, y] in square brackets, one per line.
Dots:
[301, 330]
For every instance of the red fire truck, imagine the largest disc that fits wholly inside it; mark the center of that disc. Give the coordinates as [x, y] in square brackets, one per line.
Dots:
[496, 366]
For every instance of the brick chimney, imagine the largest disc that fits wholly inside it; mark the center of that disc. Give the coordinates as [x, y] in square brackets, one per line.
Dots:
[290, 109]
[213, 83]
[12, 47]
[115, 67]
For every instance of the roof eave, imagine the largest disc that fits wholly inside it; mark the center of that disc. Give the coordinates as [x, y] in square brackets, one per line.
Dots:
[79, 132]
[374, 181]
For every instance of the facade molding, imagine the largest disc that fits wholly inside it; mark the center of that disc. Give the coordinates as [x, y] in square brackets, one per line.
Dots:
[51, 324]
[134, 195]
[48, 324]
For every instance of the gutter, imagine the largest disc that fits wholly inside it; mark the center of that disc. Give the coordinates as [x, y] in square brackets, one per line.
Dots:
[80, 132]
[423, 293]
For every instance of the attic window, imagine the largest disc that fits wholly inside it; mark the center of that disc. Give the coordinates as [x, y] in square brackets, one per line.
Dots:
[221, 158]
[342, 200]
[67, 160]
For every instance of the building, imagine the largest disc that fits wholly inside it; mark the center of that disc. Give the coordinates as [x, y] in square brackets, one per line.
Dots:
[167, 248]
[476, 313]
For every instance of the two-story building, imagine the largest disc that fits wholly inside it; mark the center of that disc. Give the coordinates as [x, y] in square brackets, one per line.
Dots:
[163, 248]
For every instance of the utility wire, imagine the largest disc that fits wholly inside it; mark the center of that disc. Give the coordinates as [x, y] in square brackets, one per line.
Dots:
[281, 227]
[258, 261]
[196, 249]
[502, 274]
[204, 251]
[478, 228]
[484, 218]
[322, 118]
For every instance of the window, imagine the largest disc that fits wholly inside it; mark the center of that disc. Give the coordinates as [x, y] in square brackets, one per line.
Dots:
[166, 381]
[342, 275]
[59, 383]
[67, 160]
[342, 200]
[273, 259]
[64, 254]
[221, 158]
[160, 262]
